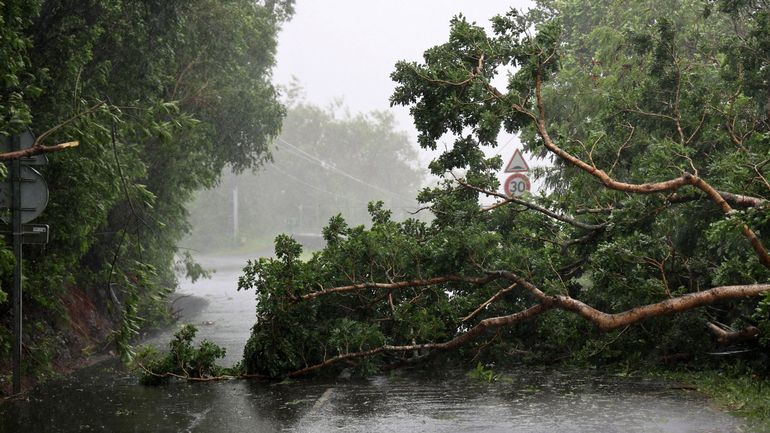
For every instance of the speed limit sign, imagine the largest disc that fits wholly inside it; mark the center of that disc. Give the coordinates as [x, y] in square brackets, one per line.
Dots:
[516, 185]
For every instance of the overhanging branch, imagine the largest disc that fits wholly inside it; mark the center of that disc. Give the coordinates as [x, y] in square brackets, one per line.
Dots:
[37, 149]
[640, 188]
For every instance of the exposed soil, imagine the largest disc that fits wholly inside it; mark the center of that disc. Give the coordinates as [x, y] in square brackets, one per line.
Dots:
[78, 337]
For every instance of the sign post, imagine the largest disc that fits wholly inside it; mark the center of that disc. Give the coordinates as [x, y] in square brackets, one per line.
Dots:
[16, 227]
[25, 194]
[517, 184]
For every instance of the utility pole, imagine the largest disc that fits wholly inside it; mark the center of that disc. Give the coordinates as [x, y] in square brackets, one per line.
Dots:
[235, 214]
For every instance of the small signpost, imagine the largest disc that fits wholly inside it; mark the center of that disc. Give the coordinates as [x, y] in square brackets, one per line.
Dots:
[34, 234]
[517, 184]
[25, 194]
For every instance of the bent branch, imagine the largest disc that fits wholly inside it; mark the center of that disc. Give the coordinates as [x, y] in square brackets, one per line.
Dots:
[610, 321]
[494, 297]
[605, 321]
[742, 200]
[639, 188]
[480, 328]
[735, 199]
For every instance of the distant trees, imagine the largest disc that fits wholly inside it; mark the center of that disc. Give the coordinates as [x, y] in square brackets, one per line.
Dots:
[656, 120]
[326, 161]
[172, 92]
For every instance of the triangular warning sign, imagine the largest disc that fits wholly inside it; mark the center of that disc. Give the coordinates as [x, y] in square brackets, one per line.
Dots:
[516, 163]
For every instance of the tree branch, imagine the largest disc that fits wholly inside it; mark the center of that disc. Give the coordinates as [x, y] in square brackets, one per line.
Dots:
[641, 188]
[491, 323]
[494, 297]
[608, 321]
[728, 336]
[532, 206]
[38, 148]
[605, 321]
[736, 199]
[398, 285]
[190, 378]
[43, 136]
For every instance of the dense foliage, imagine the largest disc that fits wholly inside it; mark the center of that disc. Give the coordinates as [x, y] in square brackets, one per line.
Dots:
[183, 360]
[162, 95]
[326, 161]
[656, 119]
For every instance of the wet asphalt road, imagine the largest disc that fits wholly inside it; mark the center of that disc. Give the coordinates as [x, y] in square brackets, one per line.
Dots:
[106, 398]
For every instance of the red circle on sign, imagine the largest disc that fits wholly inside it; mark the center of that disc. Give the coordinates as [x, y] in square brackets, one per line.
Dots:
[522, 185]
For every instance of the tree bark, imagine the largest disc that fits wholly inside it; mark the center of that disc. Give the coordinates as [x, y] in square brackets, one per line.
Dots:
[37, 149]
[726, 337]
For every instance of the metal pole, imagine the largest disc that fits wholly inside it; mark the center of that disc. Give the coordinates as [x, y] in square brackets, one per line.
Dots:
[17, 293]
[235, 214]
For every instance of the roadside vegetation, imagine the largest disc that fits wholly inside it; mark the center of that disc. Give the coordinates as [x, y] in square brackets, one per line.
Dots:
[645, 250]
[161, 95]
[741, 393]
[647, 245]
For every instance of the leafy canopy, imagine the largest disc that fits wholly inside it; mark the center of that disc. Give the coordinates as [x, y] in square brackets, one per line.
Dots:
[656, 125]
[162, 95]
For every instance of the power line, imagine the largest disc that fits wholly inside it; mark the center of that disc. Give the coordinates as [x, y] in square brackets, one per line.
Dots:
[500, 149]
[327, 166]
[300, 181]
[335, 195]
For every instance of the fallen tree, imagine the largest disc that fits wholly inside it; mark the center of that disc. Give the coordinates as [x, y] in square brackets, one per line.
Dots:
[653, 139]
[601, 319]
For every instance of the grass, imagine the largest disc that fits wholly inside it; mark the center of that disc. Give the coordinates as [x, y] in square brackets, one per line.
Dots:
[740, 394]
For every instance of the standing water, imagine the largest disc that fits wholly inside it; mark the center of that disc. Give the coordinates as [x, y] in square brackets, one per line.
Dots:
[106, 398]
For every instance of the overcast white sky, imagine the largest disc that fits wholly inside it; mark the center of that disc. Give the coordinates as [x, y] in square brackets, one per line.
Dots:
[348, 48]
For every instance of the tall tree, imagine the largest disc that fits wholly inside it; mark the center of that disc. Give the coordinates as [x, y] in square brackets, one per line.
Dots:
[326, 161]
[656, 122]
[161, 96]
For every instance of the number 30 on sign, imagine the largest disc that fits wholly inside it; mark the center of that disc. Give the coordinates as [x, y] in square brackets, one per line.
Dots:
[516, 185]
